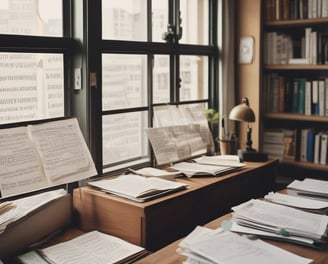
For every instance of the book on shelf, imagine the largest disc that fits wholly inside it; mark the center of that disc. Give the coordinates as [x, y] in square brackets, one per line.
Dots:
[137, 188]
[280, 143]
[93, 247]
[323, 149]
[43, 155]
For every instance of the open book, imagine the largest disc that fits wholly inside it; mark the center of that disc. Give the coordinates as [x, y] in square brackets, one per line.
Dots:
[138, 188]
[38, 156]
[93, 247]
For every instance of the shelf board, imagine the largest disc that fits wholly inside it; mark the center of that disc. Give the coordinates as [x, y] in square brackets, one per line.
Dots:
[296, 66]
[296, 117]
[296, 22]
[305, 165]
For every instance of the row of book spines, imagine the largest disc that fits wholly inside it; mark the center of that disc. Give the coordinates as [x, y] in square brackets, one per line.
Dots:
[295, 9]
[314, 146]
[280, 48]
[300, 95]
[307, 144]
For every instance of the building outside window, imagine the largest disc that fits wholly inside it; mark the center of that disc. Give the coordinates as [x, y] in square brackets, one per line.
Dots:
[141, 68]
[32, 70]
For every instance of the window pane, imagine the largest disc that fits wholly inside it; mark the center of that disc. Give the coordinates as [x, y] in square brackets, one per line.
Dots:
[194, 14]
[124, 137]
[161, 79]
[31, 86]
[31, 17]
[124, 81]
[194, 78]
[124, 20]
[160, 19]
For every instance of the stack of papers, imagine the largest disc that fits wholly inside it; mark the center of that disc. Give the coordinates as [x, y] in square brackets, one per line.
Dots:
[191, 169]
[208, 246]
[310, 187]
[303, 203]
[280, 222]
[93, 247]
[221, 160]
[154, 172]
[138, 188]
[17, 209]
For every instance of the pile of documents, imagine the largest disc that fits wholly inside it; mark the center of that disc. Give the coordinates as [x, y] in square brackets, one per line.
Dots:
[138, 188]
[310, 187]
[209, 165]
[17, 209]
[91, 247]
[276, 221]
[208, 246]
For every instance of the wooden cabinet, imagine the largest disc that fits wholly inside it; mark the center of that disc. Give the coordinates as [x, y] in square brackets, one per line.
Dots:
[154, 224]
[294, 81]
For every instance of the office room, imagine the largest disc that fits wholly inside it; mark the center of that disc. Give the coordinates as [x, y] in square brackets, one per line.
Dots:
[172, 131]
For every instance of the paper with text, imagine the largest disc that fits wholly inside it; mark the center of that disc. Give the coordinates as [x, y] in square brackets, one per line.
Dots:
[43, 155]
[91, 247]
[230, 248]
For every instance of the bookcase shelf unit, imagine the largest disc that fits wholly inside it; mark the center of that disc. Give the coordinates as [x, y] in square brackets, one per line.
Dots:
[282, 117]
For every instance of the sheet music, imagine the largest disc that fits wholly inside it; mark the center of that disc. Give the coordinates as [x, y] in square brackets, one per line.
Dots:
[39, 156]
[175, 143]
[63, 150]
[20, 165]
[93, 247]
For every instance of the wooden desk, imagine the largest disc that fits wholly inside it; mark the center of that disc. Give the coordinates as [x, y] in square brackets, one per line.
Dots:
[168, 254]
[157, 223]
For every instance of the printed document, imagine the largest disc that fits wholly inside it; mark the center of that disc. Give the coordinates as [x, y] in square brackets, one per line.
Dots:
[138, 188]
[212, 246]
[92, 247]
[43, 155]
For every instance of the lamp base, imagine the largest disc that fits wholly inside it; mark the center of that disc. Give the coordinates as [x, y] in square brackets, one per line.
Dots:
[245, 155]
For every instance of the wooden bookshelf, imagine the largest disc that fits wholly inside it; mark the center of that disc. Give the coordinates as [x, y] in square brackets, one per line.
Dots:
[274, 72]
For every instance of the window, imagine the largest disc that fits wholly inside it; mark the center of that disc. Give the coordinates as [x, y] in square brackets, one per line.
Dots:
[34, 56]
[147, 53]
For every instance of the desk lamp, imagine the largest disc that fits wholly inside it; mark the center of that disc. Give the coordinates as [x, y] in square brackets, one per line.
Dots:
[244, 113]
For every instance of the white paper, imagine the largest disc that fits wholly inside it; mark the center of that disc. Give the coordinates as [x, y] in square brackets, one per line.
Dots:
[176, 143]
[311, 186]
[20, 165]
[230, 248]
[26, 205]
[43, 155]
[192, 169]
[221, 160]
[93, 247]
[137, 187]
[295, 201]
[274, 217]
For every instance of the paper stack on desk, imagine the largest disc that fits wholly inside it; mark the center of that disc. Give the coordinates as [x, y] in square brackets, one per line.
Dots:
[138, 188]
[93, 247]
[276, 221]
[209, 246]
[310, 187]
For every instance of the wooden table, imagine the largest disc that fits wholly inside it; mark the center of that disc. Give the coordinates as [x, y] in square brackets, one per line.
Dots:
[154, 224]
[168, 254]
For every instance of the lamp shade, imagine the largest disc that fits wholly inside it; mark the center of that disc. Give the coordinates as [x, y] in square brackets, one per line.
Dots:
[242, 112]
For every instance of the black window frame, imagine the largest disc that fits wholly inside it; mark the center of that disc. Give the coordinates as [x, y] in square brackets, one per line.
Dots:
[97, 46]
